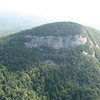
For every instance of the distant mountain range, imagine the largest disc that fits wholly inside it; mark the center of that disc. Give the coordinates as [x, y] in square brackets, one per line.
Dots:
[15, 22]
[11, 22]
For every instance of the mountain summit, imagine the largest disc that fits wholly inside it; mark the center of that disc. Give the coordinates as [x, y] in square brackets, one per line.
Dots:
[56, 61]
[57, 35]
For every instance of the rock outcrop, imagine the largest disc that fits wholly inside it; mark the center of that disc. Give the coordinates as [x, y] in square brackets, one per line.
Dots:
[56, 42]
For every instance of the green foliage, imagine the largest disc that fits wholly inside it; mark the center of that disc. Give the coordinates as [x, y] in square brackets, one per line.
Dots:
[56, 29]
[25, 75]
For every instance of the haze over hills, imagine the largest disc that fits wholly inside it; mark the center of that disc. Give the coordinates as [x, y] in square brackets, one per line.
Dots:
[57, 61]
[14, 22]
[11, 22]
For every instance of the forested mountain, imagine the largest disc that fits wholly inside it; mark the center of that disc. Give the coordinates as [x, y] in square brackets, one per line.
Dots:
[57, 61]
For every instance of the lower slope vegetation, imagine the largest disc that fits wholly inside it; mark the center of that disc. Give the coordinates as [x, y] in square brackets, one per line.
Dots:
[47, 73]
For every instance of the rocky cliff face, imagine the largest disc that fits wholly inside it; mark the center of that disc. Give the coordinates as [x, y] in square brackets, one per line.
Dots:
[56, 42]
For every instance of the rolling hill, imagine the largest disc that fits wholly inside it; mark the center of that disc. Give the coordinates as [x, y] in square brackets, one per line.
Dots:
[56, 61]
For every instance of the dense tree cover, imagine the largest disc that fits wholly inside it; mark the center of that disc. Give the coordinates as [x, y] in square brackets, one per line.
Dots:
[56, 29]
[78, 79]
[25, 74]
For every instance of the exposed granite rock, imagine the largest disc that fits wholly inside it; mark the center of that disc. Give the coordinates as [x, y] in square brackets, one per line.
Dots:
[93, 45]
[56, 42]
[85, 53]
[92, 55]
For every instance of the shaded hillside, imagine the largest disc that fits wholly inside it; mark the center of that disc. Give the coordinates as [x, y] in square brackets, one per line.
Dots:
[57, 61]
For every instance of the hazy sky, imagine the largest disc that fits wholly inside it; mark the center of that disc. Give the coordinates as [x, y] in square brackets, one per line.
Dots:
[82, 11]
